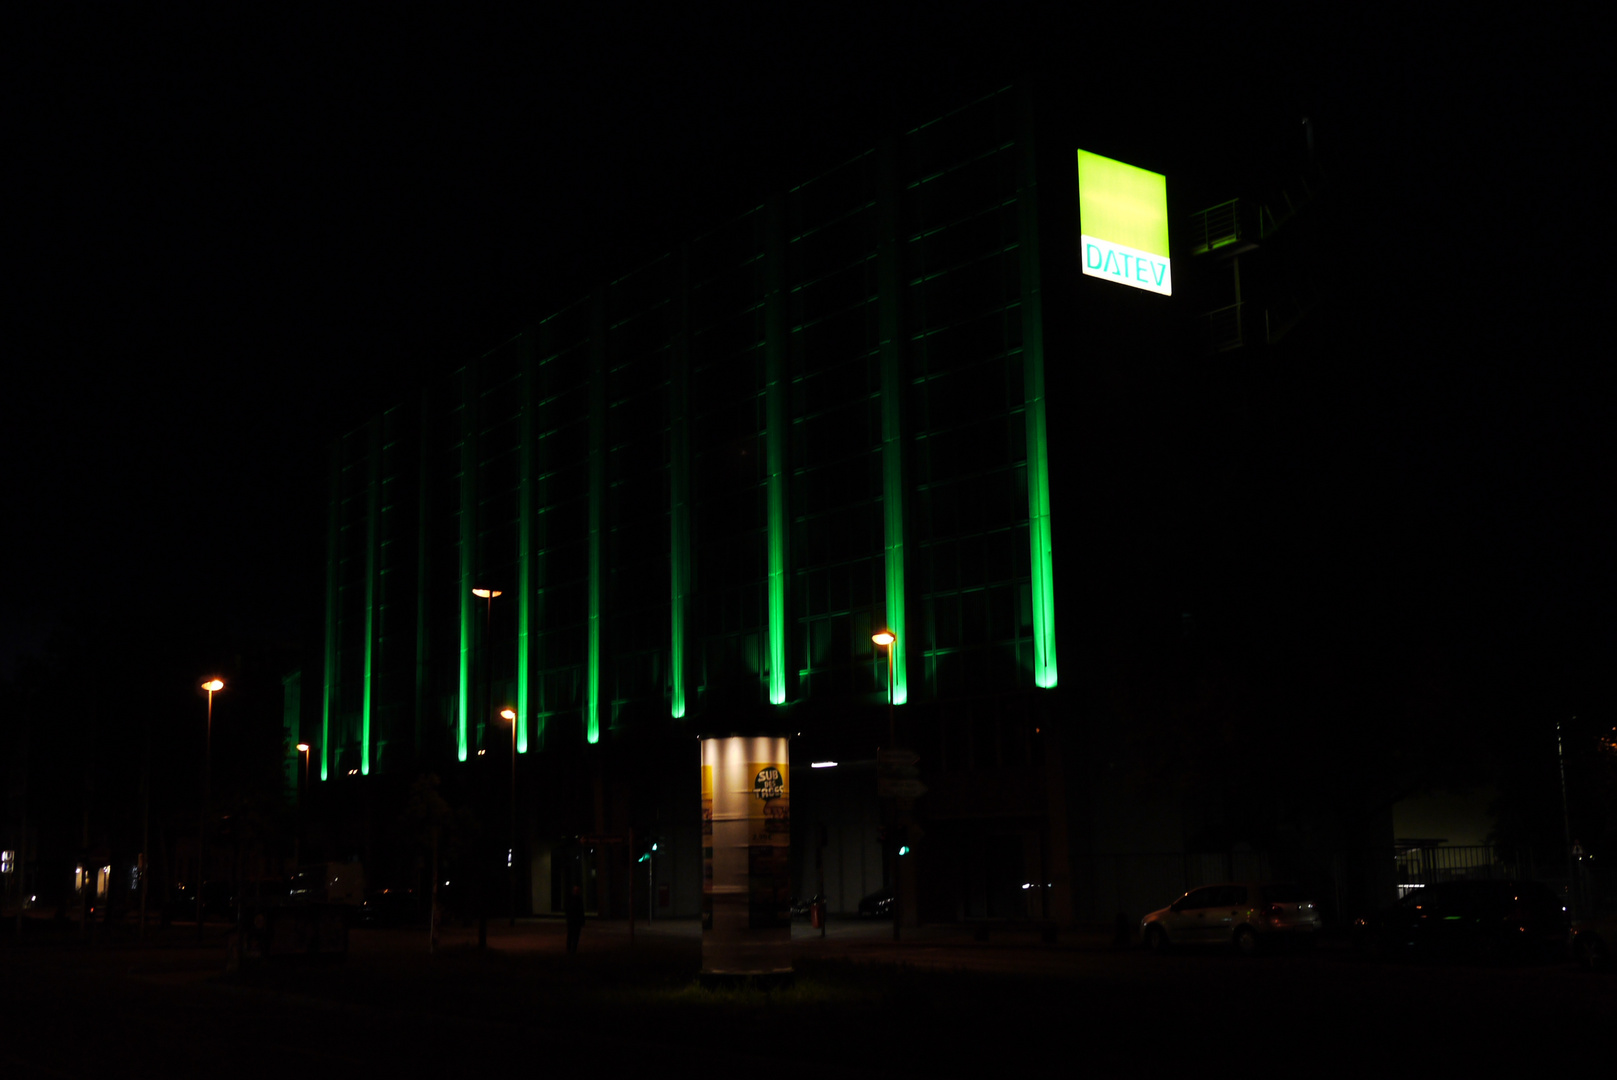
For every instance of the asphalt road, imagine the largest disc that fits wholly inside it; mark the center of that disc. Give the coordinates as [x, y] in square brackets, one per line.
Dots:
[936, 1003]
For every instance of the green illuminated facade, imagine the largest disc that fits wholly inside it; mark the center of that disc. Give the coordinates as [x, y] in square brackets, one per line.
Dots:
[703, 485]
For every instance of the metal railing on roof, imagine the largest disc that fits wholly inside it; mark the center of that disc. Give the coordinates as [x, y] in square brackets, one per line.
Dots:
[1216, 227]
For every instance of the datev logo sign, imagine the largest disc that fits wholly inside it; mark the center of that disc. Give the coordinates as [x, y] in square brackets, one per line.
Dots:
[1123, 222]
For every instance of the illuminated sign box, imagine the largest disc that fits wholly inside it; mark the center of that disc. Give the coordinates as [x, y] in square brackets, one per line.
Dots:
[1123, 223]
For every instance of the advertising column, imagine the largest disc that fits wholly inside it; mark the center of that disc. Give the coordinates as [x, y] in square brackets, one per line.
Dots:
[746, 847]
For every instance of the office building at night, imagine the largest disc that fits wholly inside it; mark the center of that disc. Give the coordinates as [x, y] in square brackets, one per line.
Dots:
[690, 497]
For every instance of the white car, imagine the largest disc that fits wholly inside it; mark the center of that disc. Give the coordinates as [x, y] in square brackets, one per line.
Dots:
[1243, 914]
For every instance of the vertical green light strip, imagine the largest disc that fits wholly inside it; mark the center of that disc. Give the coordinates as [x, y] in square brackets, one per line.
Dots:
[333, 533]
[373, 508]
[679, 514]
[775, 437]
[890, 300]
[1038, 460]
[468, 542]
[597, 436]
[525, 544]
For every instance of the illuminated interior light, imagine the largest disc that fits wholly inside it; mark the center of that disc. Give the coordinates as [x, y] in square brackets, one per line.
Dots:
[822, 764]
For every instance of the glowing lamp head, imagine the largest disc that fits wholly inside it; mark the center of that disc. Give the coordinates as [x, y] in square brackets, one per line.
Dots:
[303, 748]
[507, 714]
[485, 594]
[884, 637]
[213, 685]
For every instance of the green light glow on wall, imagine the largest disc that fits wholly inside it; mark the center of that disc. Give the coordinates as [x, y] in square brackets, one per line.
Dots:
[775, 439]
[1123, 223]
[1038, 455]
[893, 524]
[468, 542]
[373, 500]
[525, 547]
[679, 519]
[1038, 498]
[892, 393]
[777, 571]
[597, 437]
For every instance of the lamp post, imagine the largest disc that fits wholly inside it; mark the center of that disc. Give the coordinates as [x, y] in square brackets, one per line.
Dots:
[511, 852]
[486, 595]
[212, 686]
[887, 638]
[303, 793]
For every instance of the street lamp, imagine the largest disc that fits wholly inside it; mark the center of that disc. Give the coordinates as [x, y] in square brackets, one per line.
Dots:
[303, 793]
[212, 686]
[486, 595]
[511, 852]
[887, 638]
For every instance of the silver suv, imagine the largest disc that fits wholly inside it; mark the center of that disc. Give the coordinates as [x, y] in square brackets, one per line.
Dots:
[1245, 914]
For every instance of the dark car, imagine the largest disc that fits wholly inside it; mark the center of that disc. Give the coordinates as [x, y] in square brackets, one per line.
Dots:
[1488, 920]
[1247, 915]
[878, 905]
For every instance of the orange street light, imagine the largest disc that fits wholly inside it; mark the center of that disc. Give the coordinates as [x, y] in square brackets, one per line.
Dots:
[487, 595]
[511, 852]
[887, 637]
[212, 686]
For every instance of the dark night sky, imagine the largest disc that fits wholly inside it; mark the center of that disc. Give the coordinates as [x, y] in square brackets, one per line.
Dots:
[221, 235]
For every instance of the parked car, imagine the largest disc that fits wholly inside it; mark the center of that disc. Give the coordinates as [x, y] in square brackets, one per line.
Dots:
[1490, 920]
[878, 905]
[1246, 915]
[1591, 941]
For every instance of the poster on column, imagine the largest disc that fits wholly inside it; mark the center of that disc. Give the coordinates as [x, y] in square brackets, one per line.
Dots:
[769, 847]
[746, 849]
[707, 847]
